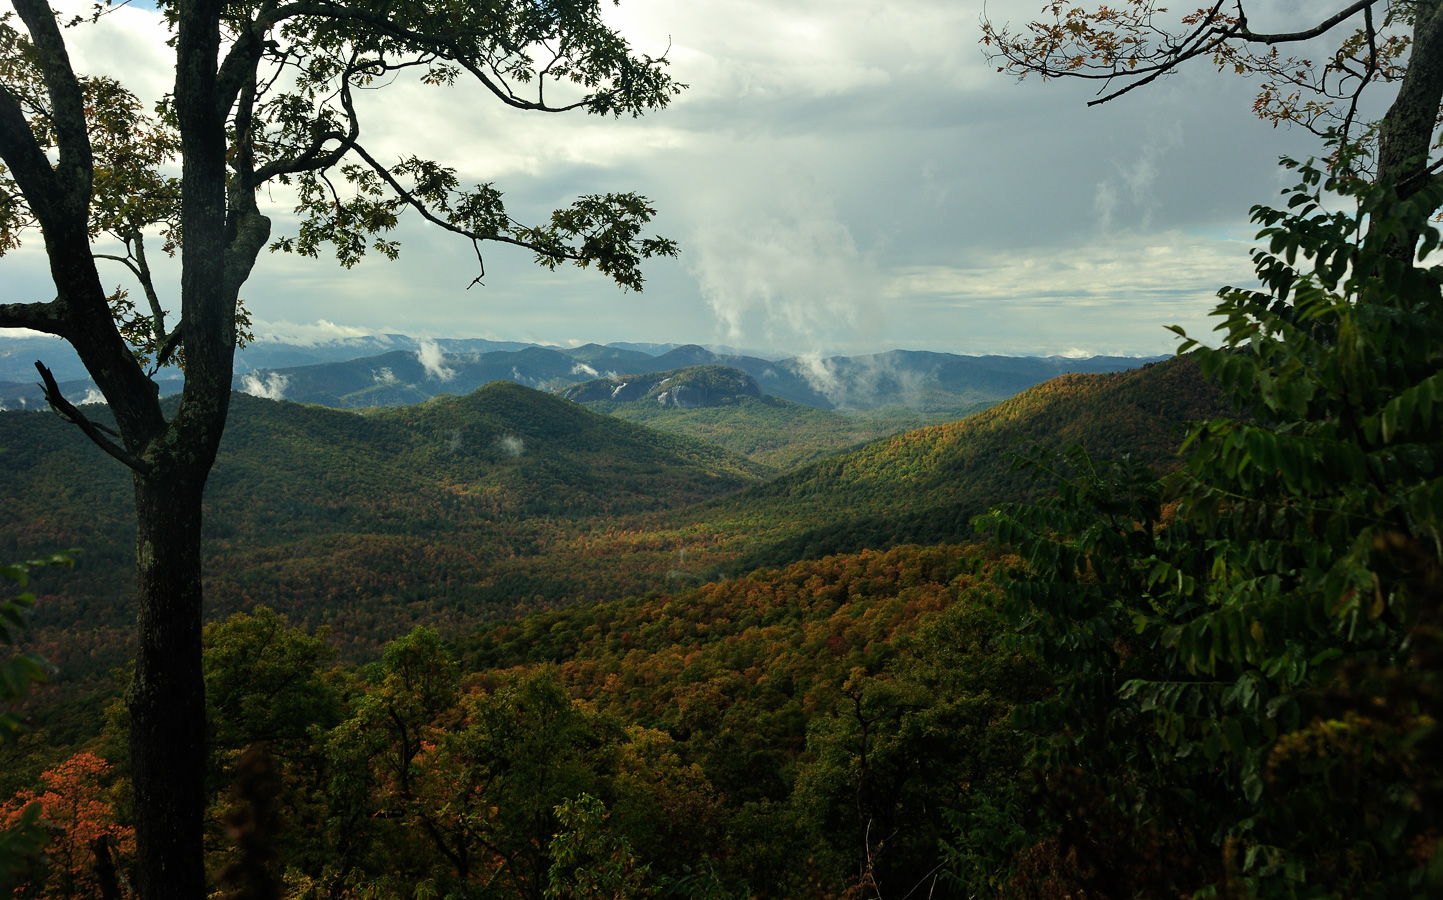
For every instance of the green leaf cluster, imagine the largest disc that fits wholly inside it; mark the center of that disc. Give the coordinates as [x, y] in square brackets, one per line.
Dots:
[1248, 651]
[23, 839]
[25, 669]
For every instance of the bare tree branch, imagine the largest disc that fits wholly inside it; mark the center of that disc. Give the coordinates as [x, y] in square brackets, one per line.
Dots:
[67, 411]
[1318, 30]
[415, 203]
[123, 260]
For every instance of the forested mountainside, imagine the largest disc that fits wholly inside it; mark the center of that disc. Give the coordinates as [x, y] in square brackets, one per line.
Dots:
[330, 513]
[924, 486]
[685, 388]
[713, 733]
[471, 509]
[725, 406]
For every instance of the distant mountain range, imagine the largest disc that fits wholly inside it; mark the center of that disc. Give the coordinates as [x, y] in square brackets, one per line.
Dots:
[396, 370]
[470, 508]
[689, 388]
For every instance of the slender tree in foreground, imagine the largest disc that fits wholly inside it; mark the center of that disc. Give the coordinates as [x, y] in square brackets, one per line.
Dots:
[264, 95]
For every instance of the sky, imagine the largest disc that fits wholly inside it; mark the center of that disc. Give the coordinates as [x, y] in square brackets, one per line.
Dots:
[843, 177]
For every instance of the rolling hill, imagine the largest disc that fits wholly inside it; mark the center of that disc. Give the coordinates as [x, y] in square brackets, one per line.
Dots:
[939, 384]
[924, 486]
[466, 509]
[725, 406]
[339, 517]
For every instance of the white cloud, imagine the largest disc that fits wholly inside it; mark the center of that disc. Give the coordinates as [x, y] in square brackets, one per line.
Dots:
[1111, 297]
[128, 42]
[1137, 179]
[844, 176]
[582, 368]
[819, 373]
[511, 445]
[92, 396]
[320, 331]
[271, 387]
[385, 376]
[1162, 267]
[432, 360]
[790, 273]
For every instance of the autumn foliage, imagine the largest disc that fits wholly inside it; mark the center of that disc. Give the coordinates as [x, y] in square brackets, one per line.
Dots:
[84, 836]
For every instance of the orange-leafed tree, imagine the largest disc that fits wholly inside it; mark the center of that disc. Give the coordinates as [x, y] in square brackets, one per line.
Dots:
[86, 847]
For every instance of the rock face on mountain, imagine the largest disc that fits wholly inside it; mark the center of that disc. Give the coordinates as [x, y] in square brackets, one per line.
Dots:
[688, 388]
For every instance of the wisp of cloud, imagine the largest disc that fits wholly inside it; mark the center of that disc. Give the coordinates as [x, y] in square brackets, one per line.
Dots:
[511, 445]
[272, 387]
[431, 359]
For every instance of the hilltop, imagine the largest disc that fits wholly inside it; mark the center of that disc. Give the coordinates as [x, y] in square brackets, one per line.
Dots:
[396, 370]
[466, 509]
[924, 486]
[726, 407]
[350, 519]
[687, 388]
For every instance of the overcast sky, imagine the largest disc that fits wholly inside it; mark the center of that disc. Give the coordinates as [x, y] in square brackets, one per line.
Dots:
[844, 176]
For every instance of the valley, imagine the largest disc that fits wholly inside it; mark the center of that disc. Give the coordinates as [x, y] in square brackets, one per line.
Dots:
[714, 630]
[464, 510]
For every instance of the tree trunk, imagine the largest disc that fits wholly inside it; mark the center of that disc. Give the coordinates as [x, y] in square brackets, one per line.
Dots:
[1405, 134]
[167, 696]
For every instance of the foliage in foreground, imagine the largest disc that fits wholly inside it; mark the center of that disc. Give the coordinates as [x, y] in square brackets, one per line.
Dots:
[20, 835]
[783, 735]
[1248, 653]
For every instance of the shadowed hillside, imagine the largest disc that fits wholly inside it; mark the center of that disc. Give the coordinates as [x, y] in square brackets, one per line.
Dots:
[367, 522]
[508, 500]
[726, 407]
[924, 486]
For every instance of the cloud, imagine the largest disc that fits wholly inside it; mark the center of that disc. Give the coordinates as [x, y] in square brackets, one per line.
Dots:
[385, 376]
[820, 373]
[511, 445]
[1104, 201]
[789, 274]
[582, 368]
[126, 40]
[1136, 180]
[431, 359]
[844, 177]
[860, 383]
[1111, 297]
[309, 334]
[272, 387]
[92, 395]
[1172, 266]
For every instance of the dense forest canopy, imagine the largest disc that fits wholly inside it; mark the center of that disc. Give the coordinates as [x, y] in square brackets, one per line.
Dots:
[1143, 674]
[264, 94]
